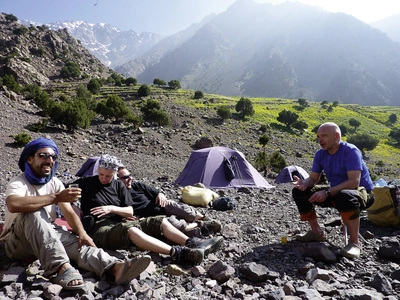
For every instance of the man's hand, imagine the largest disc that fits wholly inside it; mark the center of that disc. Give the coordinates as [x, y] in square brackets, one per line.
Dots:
[319, 196]
[161, 200]
[101, 211]
[298, 183]
[85, 239]
[69, 195]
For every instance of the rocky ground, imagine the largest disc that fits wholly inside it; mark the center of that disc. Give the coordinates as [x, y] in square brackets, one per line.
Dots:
[253, 263]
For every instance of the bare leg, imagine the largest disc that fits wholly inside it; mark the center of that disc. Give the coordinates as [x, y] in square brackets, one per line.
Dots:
[173, 234]
[353, 226]
[315, 226]
[147, 242]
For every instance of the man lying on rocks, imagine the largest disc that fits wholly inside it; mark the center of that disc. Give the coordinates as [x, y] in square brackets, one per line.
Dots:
[30, 231]
[107, 204]
[149, 201]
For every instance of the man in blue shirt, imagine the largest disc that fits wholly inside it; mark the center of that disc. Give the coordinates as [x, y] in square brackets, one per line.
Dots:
[349, 191]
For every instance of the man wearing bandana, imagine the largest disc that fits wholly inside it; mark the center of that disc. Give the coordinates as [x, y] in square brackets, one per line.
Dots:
[30, 231]
[108, 203]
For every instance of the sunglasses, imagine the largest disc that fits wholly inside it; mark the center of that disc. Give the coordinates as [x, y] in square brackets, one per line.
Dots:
[125, 177]
[44, 155]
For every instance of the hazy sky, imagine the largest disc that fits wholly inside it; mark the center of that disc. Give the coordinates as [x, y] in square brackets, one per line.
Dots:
[169, 16]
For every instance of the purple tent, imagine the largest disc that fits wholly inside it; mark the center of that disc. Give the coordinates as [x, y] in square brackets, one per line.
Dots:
[208, 167]
[286, 175]
[89, 168]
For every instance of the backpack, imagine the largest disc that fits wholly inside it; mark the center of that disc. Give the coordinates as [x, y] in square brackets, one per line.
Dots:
[385, 209]
[224, 203]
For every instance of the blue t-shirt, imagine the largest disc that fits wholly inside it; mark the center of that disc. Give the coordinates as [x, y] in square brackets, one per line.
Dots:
[347, 158]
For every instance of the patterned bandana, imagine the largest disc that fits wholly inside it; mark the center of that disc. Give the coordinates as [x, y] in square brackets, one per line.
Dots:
[109, 162]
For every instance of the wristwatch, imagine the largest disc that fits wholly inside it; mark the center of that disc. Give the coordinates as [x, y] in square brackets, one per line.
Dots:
[328, 192]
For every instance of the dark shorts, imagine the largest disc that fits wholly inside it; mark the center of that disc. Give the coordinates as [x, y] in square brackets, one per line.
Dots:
[111, 235]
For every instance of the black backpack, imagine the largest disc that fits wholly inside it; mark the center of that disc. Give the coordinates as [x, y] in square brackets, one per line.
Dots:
[224, 203]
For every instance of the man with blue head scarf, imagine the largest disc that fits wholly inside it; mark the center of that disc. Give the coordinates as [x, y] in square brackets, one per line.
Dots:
[30, 231]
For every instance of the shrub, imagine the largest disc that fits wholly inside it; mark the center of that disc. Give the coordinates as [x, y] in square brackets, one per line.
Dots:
[277, 162]
[263, 140]
[287, 117]
[355, 123]
[393, 118]
[174, 84]
[11, 17]
[263, 128]
[198, 94]
[144, 90]
[10, 82]
[245, 107]
[131, 81]
[70, 70]
[94, 86]
[113, 108]
[363, 142]
[158, 82]
[39, 126]
[20, 30]
[21, 139]
[262, 162]
[224, 112]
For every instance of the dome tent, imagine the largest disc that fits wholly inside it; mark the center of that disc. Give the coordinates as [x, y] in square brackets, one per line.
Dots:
[287, 173]
[208, 165]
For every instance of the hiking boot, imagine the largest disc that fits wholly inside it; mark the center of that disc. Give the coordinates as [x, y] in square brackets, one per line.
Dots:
[310, 237]
[208, 245]
[351, 251]
[185, 254]
[209, 226]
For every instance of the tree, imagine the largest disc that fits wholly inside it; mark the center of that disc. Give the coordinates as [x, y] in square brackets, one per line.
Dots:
[144, 90]
[224, 112]
[10, 82]
[261, 162]
[11, 17]
[161, 117]
[355, 123]
[363, 142]
[72, 114]
[287, 117]
[70, 70]
[174, 84]
[198, 94]
[158, 82]
[244, 107]
[152, 111]
[393, 118]
[335, 103]
[113, 108]
[300, 125]
[343, 129]
[82, 93]
[94, 86]
[263, 140]
[302, 102]
[277, 162]
[325, 102]
[395, 134]
[131, 81]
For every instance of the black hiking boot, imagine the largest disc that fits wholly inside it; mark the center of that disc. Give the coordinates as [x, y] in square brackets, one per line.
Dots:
[209, 226]
[185, 254]
[208, 245]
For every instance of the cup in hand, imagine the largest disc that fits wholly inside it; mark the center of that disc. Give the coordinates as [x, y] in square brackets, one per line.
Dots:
[74, 186]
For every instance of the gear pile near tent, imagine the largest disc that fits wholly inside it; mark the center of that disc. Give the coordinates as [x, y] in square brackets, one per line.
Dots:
[287, 173]
[220, 167]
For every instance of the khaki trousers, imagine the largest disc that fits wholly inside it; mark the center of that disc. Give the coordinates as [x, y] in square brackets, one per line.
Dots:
[34, 236]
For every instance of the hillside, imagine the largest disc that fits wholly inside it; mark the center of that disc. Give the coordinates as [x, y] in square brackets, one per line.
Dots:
[37, 55]
[253, 263]
[287, 51]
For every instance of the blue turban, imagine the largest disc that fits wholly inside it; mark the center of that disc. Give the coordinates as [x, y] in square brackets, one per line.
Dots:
[30, 150]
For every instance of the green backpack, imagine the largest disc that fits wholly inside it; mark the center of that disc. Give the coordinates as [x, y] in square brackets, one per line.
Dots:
[385, 209]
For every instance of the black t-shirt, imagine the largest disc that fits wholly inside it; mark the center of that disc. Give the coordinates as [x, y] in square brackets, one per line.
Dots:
[95, 194]
[144, 198]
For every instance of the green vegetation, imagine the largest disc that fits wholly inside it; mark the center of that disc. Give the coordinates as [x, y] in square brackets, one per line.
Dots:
[174, 84]
[21, 139]
[224, 112]
[198, 94]
[245, 107]
[70, 70]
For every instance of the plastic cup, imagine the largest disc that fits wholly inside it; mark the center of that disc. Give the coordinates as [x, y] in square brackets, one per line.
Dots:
[73, 185]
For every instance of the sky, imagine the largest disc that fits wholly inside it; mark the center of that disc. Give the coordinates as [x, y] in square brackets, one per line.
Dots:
[167, 17]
